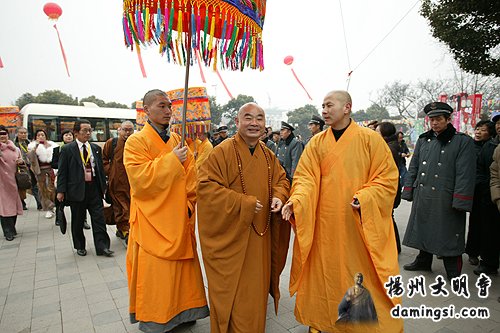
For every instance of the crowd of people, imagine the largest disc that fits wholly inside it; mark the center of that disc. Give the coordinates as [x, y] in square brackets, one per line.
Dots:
[247, 193]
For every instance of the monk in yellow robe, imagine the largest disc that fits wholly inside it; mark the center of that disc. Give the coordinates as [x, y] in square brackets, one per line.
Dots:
[164, 276]
[342, 197]
[203, 149]
[244, 241]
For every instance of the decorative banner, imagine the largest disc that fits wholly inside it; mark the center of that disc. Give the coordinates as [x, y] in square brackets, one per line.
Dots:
[53, 11]
[198, 110]
[288, 61]
[227, 33]
[141, 117]
[1, 63]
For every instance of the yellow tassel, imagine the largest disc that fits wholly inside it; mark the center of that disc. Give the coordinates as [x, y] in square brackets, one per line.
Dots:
[179, 36]
[212, 30]
[146, 25]
[215, 60]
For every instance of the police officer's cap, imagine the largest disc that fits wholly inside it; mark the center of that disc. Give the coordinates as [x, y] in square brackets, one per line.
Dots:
[287, 126]
[317, 120]
[495, 116]
[222, 129]
[435, 109]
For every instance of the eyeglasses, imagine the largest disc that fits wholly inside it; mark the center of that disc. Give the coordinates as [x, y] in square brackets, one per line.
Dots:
[86, 130]
[4, 133]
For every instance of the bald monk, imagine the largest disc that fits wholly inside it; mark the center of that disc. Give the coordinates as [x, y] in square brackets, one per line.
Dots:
[164, 277]
[118, 186]
[203, 150]
[341, 198]
[241, 190]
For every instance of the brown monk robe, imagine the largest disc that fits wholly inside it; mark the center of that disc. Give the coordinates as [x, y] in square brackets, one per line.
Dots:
[118, 185]
[244, 244]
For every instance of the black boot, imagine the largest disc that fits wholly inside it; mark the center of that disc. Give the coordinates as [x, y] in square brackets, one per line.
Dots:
[24, 205]
[7, 227]
[422, 262]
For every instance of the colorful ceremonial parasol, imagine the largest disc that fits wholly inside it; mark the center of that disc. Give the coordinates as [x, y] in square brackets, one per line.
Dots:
[224, 34]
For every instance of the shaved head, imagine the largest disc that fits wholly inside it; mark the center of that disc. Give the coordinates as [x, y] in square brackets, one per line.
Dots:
[341, 95]
[246, 106]
[151, 95]
[127, 123]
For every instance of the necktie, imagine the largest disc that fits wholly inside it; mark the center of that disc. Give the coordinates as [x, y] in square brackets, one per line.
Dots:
[85, 154]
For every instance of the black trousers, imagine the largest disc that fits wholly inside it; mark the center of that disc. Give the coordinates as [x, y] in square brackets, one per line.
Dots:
[489, 225]
[473, 245]
[9, 225]
[452, 265]
[93, 203]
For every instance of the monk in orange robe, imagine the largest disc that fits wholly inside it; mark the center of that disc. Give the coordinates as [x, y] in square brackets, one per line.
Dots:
[164, 276]
[203, 149]
[342, 197]
[243, 238]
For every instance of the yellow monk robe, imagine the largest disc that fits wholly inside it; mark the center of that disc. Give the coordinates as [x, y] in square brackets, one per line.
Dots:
[241, 266]
[204, 149]
[164, 274]
[333, 241]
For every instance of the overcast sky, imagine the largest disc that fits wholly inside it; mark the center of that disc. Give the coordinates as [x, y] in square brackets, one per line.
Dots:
[101, 65]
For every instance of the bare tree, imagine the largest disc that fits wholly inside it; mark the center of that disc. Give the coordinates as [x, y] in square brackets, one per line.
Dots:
[399, 97]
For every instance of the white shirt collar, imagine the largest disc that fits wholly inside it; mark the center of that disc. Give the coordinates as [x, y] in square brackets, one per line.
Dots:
[80, 144]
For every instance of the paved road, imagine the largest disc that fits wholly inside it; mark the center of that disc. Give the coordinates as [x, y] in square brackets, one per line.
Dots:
[46, 287]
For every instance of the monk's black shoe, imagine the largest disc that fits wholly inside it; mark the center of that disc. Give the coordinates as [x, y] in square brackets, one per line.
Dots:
[417, 266]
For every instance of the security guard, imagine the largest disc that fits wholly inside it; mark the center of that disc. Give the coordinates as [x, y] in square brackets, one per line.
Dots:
[315, 125]
[289, 150]
[440, 182]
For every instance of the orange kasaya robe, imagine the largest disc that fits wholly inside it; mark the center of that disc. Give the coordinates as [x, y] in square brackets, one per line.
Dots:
[204, 148]
[164, 275]
[241, 266]
[334, 241]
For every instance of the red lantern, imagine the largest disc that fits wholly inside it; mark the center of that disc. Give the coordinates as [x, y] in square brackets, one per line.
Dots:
[289, 61]
[52, 10]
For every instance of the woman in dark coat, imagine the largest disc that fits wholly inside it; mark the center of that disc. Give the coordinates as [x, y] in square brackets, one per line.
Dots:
[388, 132]
[483, 132]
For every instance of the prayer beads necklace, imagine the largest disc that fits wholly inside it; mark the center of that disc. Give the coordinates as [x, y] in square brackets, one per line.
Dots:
[269, 186]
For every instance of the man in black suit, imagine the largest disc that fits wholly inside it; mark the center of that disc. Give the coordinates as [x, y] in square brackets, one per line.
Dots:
[81, 183]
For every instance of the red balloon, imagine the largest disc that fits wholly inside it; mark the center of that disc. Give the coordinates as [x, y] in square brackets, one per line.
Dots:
[288, 60]
[52, 10]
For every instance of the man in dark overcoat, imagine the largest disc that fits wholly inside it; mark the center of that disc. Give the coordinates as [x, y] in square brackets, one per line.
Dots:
[289, 150]
[440, 182]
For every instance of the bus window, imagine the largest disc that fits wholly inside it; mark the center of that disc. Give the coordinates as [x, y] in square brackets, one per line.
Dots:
[43, 122]
[65, 123]
[98, 129]
[114, 125]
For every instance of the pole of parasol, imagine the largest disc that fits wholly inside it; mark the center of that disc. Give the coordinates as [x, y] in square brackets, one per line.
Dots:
[186, 83]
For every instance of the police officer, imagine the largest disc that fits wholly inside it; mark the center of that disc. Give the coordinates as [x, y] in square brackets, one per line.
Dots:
[440, 182]
[222, 135]
[289, 150]
[315, 125]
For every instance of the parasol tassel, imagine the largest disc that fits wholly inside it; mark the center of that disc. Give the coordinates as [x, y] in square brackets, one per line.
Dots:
[1, 63]
[198, 60]
[224, 84]
[297, 78]
[138, 49]
[62, 50]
